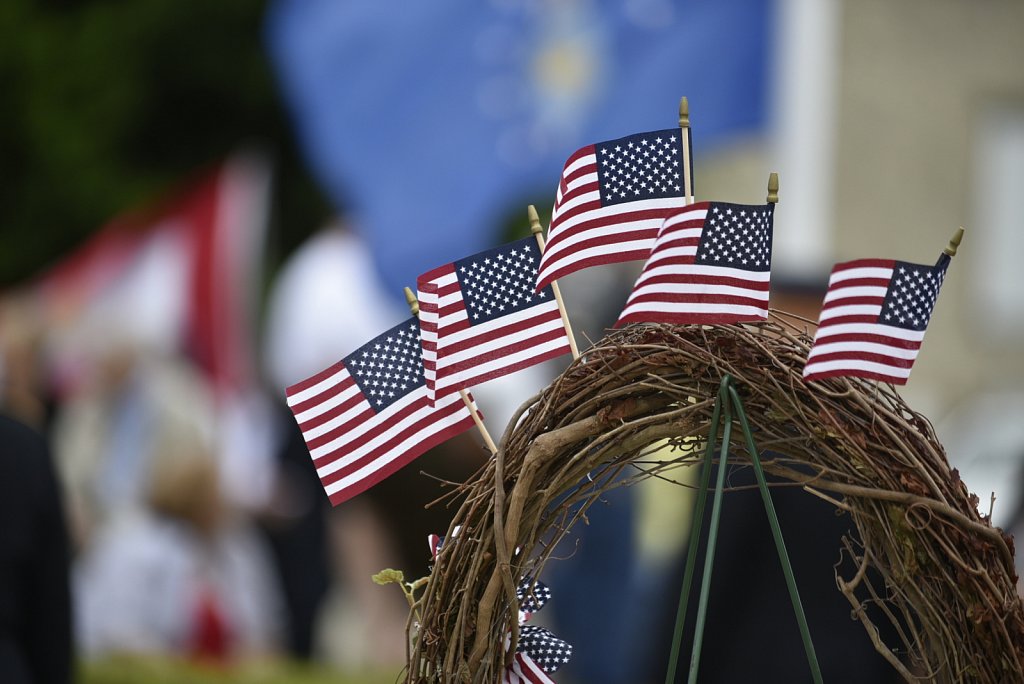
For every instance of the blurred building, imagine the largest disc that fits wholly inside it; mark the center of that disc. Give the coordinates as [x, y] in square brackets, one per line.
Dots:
[894, 124]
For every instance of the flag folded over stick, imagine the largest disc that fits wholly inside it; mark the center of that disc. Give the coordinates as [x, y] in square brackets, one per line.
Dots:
[482, 318]
[368, 415]
[711, 263]
[873, 319]
[611, 201]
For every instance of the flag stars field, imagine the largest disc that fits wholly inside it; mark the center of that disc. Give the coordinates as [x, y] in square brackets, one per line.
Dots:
[611, 201]
[482, 317]
[392, 366]
[633, 171]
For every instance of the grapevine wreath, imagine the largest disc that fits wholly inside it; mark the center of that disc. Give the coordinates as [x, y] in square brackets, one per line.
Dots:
[639, 404]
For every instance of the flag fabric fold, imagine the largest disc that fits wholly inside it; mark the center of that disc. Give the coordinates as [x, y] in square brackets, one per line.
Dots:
[711, 263]
[482, 319]
[873, 319]
[368, 415]
[611, 201]
[524, 670]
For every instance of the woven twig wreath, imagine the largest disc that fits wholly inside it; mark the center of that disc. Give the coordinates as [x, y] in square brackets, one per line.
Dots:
[639, 403]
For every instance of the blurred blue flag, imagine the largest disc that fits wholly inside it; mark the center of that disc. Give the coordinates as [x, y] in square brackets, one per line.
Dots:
[432, 122]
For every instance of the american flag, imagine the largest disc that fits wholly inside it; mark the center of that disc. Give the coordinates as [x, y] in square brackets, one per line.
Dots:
[524, 670]
[436, 541]
[711, 263]
[482, 318]
[873, 319]
[611, 201]
[539, 652]
[368, 415]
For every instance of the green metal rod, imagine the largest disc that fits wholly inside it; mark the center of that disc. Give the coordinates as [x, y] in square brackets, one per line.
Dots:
[695, 526]
[780, 544]
[709, 557]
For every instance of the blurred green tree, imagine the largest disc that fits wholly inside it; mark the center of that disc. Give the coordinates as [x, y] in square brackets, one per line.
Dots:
[106, 104]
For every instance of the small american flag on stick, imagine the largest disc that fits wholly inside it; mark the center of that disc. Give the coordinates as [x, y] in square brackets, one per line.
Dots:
[711, 263]
[368, 415]
[482, 318]
[611, 201]
[873, 319]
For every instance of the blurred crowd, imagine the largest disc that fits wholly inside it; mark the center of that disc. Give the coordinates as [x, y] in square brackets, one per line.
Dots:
[175, 548]
[192, 522]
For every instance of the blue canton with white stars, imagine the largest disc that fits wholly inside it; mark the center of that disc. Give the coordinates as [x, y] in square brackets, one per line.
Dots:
[501, 281]
[640, 167]
[737, 236]
[911, 295]
[547, 650]
[532, 595]
[389, 366]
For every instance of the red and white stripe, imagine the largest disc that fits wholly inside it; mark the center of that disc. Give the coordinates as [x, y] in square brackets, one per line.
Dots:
[353, 446]
[583, 233]
[457, 355]
[850, 341]
[178, 276]
[524, 670]
[672, 288]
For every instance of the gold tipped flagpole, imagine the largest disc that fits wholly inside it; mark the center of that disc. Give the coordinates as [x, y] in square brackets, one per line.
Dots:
[950, 251]
[538, 232]
[684, 124]
[414, 306]
[954, 243]
[773, 188]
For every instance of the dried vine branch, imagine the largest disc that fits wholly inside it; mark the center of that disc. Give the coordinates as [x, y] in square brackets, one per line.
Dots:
[643, 397]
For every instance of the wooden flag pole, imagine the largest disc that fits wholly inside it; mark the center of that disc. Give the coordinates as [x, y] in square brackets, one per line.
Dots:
[684, 124]
[773, 195]
[414, 306]
[538, 232]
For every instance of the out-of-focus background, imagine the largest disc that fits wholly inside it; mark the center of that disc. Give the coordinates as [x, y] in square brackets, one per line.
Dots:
[202, 203]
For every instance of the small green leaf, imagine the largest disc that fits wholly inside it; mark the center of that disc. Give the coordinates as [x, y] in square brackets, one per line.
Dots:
[389, 576]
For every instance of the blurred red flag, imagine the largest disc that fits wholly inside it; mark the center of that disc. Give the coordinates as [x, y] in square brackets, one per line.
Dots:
[177, 277]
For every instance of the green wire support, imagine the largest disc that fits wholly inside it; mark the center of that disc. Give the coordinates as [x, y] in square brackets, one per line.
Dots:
[730, 400]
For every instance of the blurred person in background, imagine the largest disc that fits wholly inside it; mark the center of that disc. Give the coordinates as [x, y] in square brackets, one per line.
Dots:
[182, 575]
[106, 432]
[166, 564]
[35, 603]
[23, 393]
[294, 523]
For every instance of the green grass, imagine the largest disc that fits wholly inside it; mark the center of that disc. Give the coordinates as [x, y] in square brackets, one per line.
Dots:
[136, 670]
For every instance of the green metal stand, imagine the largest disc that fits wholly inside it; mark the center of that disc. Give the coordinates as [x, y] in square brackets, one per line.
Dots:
[729, 402]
